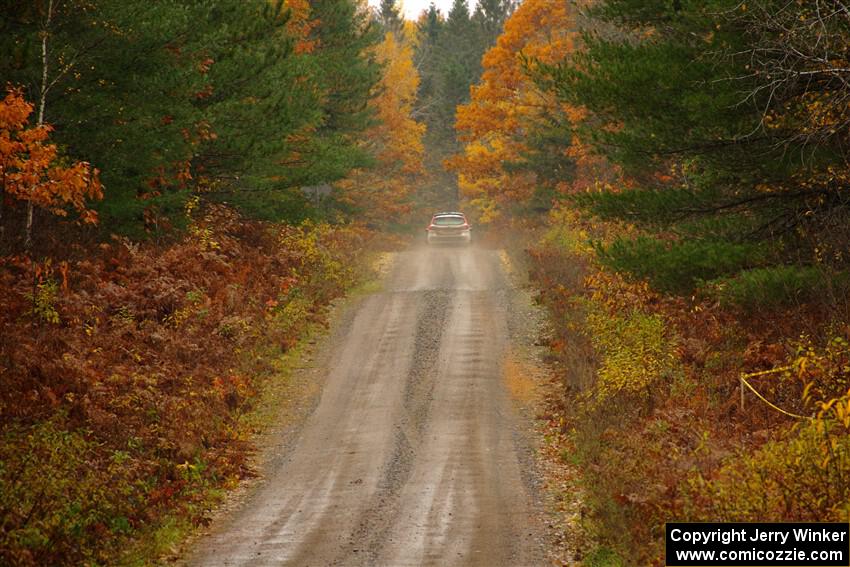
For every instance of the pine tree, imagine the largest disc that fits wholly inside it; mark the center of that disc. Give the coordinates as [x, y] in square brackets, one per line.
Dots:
[346, 82]
[450, 62]
[253, 99]
[490, 16]
[165, 97]
[730, 124]
[459, 61]
[389, 16]
[430, 28]
[432, 24]
[118, 99]
[458, 16]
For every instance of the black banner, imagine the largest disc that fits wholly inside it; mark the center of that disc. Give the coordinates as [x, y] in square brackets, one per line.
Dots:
[757, 544]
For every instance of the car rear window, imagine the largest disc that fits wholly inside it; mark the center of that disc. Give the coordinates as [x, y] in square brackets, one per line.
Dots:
[448, 221]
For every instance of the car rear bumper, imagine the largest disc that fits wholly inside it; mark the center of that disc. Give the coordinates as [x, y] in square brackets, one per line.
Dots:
[462, 237]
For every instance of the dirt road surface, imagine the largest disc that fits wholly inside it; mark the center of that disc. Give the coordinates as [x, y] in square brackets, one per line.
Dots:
[412, 456]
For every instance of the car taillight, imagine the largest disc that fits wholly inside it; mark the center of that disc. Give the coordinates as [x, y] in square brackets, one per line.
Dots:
[465, 226]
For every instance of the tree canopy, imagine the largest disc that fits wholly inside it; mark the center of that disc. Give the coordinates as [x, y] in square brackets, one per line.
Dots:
[243, 101]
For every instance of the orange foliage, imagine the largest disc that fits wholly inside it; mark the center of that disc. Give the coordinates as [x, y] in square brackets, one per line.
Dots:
[30, 168]
[394, 104]
[147, 354]
[506, 104]
[300, 25]
[396, 140]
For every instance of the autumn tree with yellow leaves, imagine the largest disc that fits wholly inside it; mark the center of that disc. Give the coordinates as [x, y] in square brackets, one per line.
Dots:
[381, 193]
[509, 156]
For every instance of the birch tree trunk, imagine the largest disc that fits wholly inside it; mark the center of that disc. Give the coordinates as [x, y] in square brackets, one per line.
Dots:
[42, 101]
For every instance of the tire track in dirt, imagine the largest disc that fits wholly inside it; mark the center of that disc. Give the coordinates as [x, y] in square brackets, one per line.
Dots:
[411, 456]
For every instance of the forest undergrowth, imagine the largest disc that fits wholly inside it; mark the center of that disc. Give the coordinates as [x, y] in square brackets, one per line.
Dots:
[128, 373]
[652, 413]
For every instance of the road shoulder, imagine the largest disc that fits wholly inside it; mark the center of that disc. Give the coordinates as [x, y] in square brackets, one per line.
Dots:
[287, 400]
[535, 390]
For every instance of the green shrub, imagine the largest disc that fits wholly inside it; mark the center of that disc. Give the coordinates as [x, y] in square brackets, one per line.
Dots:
[774, 286]
[603, 557]
[57, 497]
[44, 302]
[804, 476]
[678, 267]
[634, 350]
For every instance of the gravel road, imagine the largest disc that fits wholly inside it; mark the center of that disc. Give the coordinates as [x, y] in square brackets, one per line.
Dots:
[412, 455]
